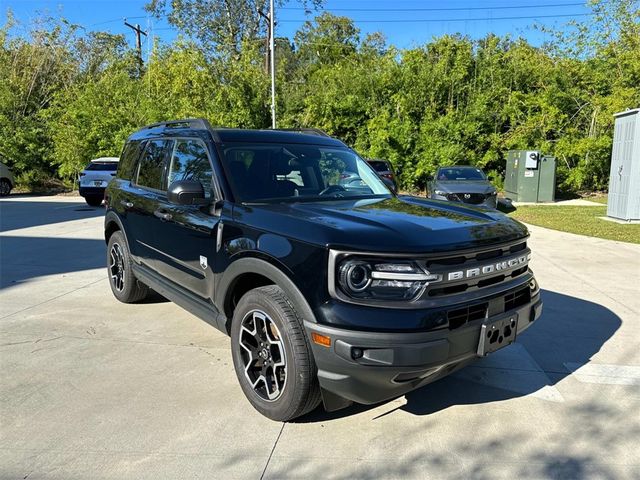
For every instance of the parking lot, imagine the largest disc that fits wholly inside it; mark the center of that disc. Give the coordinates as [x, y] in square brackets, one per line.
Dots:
[92, 388]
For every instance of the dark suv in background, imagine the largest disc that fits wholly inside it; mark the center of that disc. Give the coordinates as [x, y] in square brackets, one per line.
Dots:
[384, 169]
[329, 292]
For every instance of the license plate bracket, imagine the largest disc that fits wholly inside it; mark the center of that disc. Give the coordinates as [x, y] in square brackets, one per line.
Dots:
[496, 334]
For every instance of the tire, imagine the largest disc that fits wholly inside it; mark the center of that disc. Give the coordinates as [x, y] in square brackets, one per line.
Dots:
[262, 310]
[5, 187]
[93, 201]
[124, 285]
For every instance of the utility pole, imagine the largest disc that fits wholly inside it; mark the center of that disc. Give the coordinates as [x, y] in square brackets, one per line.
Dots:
[273, 65]
[270, 58]
[267, 44]
[136, 28]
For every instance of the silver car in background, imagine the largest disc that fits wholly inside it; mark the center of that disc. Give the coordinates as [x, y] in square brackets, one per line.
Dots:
[463, 184]
[7, 181]
[95, 178]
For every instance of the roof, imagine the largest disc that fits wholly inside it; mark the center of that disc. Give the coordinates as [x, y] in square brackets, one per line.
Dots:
[229, 135]
[459, 166]
[106, 159]
[627, 112]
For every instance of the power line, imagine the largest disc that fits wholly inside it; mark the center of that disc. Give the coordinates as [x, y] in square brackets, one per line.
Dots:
[114, 20]
[436, 20]
[506, 7]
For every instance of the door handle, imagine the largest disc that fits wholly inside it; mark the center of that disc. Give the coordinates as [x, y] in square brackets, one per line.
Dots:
[126, 204]
[164, 216]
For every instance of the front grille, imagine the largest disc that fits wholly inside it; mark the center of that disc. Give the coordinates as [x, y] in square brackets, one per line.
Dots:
[471, 198]
[459, 317]
[476, 270]
[496, 305]
[517, 299]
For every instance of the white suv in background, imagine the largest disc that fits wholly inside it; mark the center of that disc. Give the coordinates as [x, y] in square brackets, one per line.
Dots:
[95, 178]
[6, 180]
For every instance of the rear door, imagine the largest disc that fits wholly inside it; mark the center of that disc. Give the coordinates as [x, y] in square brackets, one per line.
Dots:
[148, 191]
[188, 240]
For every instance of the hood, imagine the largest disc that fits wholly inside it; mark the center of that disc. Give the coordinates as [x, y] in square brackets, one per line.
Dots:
[464, 186]
[397, 224]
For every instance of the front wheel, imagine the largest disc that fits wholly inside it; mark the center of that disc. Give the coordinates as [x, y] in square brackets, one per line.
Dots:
[272, 356]
[5, 187]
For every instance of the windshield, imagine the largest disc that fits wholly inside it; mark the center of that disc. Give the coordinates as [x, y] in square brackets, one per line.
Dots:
[461, 174]
[379, 166]
[295, 172]
[103, 166]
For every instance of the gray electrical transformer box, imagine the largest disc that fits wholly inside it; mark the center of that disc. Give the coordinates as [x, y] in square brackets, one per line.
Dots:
[530, 176]
[624, 179]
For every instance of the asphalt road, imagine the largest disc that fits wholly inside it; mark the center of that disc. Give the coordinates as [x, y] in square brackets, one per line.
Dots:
[94, 389]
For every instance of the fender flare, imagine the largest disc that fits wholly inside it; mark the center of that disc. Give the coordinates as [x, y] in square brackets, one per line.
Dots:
[112, 217]
[268, 270]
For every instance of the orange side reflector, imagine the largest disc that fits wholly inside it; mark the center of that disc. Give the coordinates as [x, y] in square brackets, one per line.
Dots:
[321, 339]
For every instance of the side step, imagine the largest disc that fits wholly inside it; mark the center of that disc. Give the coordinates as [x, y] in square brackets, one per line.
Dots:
[198, 307]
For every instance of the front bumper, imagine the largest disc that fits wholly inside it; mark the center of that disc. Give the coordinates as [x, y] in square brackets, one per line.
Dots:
[392, 364]
[489, 202]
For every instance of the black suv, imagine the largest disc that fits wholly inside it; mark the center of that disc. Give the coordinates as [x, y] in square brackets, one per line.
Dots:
[330, 293]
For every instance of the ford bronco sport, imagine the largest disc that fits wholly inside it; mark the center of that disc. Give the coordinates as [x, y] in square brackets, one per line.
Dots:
[329, 292]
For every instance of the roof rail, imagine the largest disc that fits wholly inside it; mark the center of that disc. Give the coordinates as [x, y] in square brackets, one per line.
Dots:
[199, 123]
[308, 131]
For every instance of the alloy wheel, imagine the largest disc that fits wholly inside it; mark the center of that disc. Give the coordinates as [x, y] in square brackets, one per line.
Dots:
[263, 355]
[116, 267]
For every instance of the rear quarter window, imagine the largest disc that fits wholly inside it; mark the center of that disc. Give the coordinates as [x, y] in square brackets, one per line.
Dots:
[128, 159]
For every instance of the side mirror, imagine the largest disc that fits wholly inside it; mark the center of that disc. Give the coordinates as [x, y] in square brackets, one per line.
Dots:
[389, 183]
[186, 192]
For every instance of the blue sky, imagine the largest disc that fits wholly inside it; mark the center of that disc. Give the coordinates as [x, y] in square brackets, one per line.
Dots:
[410, 23]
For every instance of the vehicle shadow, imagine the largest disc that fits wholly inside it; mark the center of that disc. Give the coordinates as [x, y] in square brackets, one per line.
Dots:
[16, 214]
[570, 331]
[23, 258]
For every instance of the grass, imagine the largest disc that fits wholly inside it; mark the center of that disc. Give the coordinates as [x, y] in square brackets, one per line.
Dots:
[580, 220]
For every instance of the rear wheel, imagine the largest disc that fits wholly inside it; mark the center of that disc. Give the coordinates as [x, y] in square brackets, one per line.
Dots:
[5, 187]
[124, 285]
[93, 201]
[271, 355]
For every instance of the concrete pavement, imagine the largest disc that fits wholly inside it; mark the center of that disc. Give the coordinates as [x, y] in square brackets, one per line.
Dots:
[91, 388]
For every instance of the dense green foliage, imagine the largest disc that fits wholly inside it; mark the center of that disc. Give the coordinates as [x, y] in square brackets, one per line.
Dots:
[67, 96]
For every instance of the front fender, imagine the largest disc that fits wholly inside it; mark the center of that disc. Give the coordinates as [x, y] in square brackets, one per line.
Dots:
[266, 269]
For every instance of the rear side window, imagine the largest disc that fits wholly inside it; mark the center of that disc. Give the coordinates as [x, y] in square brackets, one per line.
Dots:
[151, 167]
[191, 162]
[128, 159]
[102, 166]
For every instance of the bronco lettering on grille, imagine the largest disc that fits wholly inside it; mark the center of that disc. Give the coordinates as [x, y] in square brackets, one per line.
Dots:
[490, 268]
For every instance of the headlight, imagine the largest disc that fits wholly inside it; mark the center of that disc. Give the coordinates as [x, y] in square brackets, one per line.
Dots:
[493, 193]
[377, 279]
[441, 193]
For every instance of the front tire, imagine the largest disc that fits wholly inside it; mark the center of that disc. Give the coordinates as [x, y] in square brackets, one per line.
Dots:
[124, 285]
[272, 356]
[5, 187]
